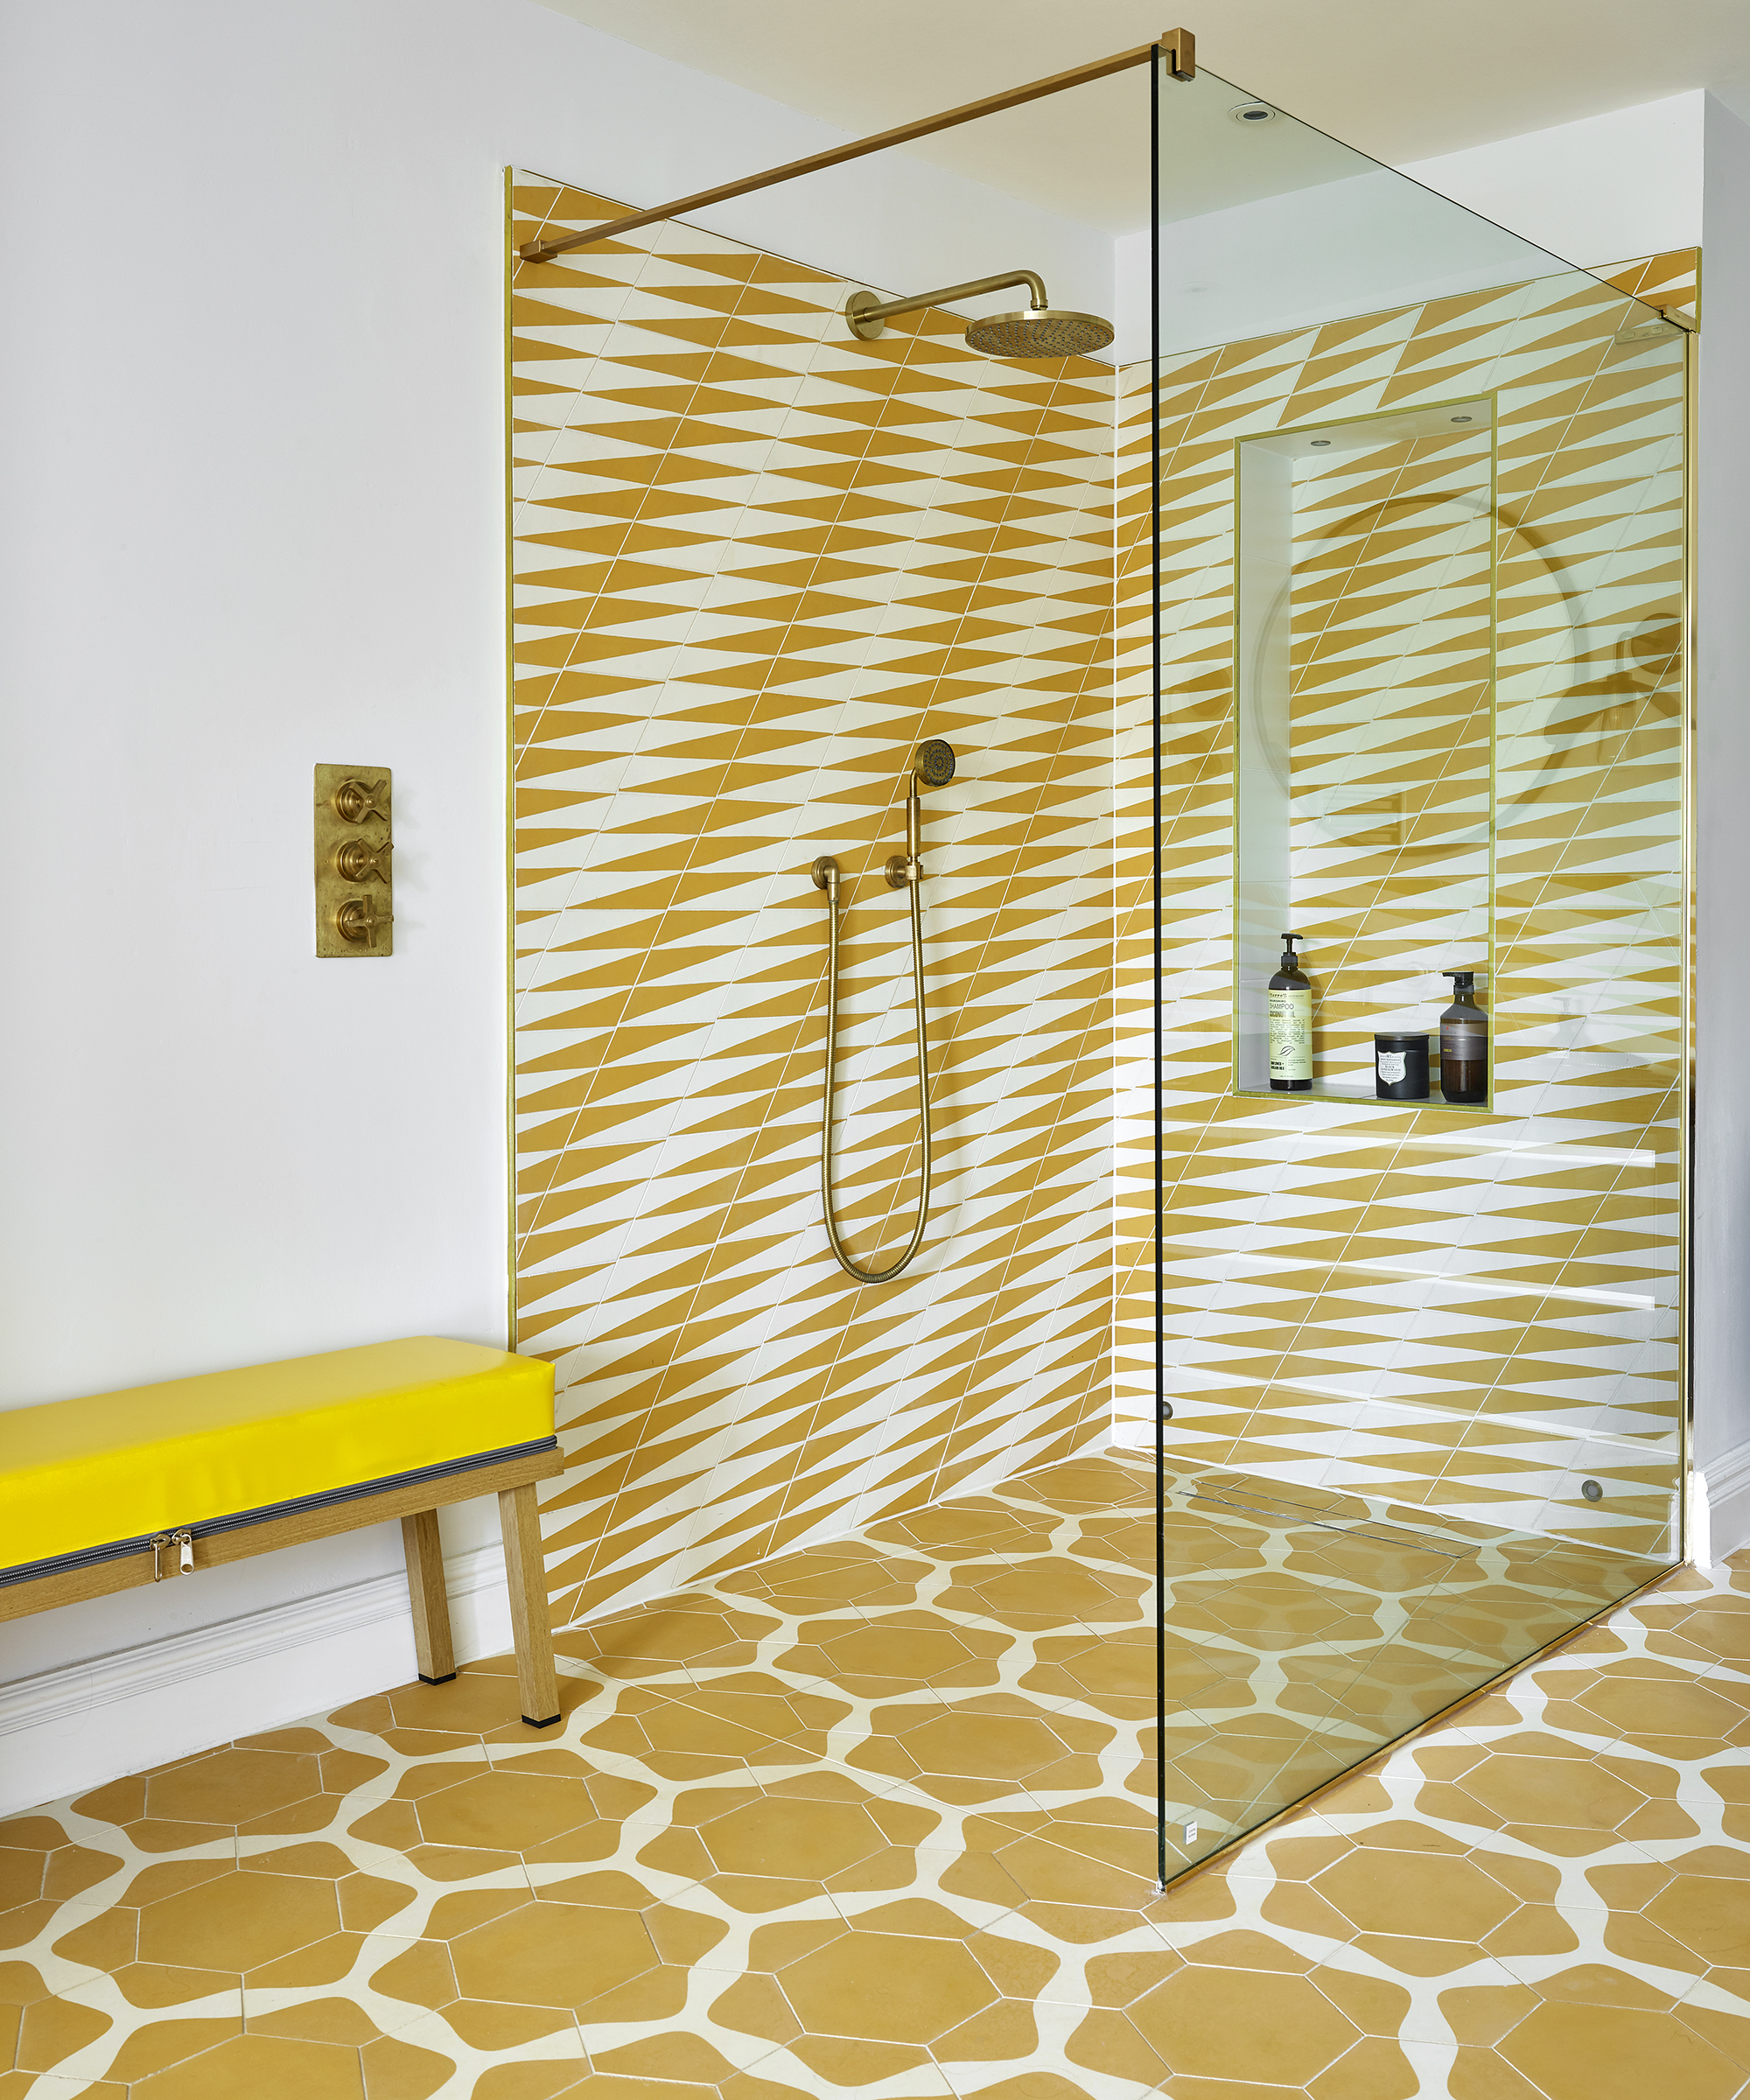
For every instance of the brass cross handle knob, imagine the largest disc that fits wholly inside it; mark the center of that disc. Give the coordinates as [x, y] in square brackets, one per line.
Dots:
[358, 919]
[357, 861]
[356, 800]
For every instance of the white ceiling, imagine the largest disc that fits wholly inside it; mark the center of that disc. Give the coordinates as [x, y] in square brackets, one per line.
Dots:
[1402, 79]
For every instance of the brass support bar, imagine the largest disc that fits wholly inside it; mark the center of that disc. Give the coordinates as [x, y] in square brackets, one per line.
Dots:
[1176, 46]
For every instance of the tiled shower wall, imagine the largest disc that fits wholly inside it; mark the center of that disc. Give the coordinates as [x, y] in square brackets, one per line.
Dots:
[756, 562]
[1470, 1311]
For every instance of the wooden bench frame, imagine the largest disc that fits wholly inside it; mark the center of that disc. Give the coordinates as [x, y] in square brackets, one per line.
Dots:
[416, 1504]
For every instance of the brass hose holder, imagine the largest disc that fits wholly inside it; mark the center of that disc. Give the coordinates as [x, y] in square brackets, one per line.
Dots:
[355, 871]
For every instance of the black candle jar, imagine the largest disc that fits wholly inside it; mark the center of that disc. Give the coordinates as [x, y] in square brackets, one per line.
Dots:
[1400, 1067]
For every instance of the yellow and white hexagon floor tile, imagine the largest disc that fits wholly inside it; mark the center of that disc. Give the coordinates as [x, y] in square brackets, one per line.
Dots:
[877, 1819]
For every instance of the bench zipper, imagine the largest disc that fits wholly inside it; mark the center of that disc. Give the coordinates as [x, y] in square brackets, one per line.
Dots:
[184, 1538]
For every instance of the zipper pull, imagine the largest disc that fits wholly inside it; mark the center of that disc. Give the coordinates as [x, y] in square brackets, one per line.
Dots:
[186, 1540]
[159, 1545]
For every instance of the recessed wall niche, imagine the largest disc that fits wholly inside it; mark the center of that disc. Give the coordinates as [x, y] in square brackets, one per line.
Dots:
[1364, 688]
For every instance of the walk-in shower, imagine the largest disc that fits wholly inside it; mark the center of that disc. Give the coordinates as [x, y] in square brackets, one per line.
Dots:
[1225, 1435]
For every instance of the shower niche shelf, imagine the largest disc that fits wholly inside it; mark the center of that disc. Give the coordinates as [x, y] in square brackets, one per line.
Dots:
[1364, 683]
[1358, 1097]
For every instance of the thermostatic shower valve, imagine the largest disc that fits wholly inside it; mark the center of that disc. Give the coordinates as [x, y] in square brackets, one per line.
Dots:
[354, 877]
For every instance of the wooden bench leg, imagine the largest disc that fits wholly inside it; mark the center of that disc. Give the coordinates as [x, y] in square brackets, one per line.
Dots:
[432, 1643]
[525, 1570]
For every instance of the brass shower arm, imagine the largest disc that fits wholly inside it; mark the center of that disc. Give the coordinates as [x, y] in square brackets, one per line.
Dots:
[867, 316]
[1176, 46]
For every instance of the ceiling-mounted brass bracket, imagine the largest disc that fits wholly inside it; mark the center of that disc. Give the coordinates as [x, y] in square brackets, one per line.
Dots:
[1178, 48]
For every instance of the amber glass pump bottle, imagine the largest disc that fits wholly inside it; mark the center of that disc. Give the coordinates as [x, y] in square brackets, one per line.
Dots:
[1464, 1042]
[1291, 1024]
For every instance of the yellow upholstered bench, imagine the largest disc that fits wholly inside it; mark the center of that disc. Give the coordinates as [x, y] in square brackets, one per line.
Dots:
[99, 1493]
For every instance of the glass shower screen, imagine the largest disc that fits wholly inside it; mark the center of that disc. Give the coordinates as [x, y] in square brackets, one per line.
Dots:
[1405, 627]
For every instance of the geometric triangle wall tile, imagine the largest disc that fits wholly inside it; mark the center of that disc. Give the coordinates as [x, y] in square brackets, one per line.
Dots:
[755, 563]
[1455, 1242]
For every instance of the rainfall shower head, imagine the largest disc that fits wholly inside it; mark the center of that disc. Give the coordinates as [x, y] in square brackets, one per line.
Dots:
[1036, 331]
[1040, 332]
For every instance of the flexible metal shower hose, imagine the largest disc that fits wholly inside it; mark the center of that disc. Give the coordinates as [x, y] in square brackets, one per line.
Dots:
[840, 1251]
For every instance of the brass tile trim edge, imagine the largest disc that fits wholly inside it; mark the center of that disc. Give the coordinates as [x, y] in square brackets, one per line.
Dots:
[1686, 976]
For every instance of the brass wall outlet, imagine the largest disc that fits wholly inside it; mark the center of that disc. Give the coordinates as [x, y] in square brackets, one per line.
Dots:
[354, 877]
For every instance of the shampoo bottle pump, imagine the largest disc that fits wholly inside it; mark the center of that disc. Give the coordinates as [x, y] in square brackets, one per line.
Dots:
[1291, 1024]
[1464, 1042]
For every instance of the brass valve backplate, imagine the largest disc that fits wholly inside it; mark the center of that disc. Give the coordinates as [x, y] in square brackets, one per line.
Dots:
[354, 875]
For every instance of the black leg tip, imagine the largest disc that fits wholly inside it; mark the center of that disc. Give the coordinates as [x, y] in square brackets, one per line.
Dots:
[552, 1721]
[450, 1679]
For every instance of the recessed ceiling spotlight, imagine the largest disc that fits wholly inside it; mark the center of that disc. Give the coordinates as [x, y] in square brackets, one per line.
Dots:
[1318, 441]
[1251, 113]
[1464, 419]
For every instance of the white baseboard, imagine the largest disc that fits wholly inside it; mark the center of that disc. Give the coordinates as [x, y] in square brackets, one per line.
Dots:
[1726, 1493]
[67, 1730]
[1699, 1522]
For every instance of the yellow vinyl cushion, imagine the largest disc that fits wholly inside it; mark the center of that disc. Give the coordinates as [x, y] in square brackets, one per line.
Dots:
[75, 1474]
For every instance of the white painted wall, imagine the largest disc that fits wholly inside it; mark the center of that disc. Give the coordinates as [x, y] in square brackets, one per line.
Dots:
[251, 437]
[1721, 1303]
[1600, 190]
[1356, 246]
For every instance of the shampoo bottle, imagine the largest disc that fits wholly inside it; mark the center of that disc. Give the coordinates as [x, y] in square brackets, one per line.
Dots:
[1291, 1024]
[1464, 1042]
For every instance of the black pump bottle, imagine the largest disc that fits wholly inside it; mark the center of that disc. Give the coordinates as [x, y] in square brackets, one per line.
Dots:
[1291, 1024]
[1464, 1042]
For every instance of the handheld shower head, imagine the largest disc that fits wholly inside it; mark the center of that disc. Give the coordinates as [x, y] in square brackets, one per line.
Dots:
[933, 765]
